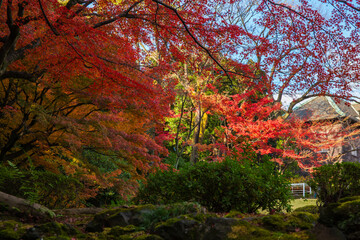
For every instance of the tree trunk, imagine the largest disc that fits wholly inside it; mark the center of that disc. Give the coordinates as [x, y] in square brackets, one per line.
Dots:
[194, 152]
[33, 209]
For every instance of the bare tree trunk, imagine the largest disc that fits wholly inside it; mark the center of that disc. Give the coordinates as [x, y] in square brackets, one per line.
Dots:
[26, 206]
[194, 152]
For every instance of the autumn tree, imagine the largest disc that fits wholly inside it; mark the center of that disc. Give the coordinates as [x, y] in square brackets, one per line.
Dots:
[287, 51]
[81, 76]
[74, 76]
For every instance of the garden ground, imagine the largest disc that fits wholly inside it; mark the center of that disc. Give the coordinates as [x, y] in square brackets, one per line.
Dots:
[297, 203]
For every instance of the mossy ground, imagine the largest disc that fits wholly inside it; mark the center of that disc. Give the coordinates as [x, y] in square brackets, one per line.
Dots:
[11, 229]
[296, 225]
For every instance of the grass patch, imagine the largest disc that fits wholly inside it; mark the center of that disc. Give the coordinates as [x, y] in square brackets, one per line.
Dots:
[296, 203]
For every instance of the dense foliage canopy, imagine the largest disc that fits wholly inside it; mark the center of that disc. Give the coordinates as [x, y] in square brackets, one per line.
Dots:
[104, 90]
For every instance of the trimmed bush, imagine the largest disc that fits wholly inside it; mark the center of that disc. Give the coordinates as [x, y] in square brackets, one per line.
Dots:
[308, 209]
[332, 182]
[220, 187]
[289, 223]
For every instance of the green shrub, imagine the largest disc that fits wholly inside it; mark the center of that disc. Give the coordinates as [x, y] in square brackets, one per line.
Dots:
[47, 188]
[57, 190]
[11, 180]
[309, 209]
[220, 187]
[344, 214]
[290, 222]
[332, 182]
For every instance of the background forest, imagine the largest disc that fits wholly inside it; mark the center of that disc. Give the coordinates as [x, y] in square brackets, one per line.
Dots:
[96, 96]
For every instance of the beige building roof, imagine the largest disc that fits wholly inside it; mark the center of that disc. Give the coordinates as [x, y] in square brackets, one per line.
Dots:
[356, 106]
[325, 108]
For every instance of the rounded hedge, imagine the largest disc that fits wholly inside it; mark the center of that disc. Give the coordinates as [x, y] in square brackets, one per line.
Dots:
[332, 182]
[220, 186]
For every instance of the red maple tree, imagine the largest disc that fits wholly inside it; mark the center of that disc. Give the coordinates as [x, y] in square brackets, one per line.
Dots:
[97, 74]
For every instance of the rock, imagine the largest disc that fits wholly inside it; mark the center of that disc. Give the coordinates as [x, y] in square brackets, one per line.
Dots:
[11, 230]
[32, 234]
[329, 233]
[100, 220]
[178, 228]
[51, 229]
[118, 217]
[78, 211]
[139, 235]
[58, 228]
[117, 230]
[218, 228]
[145, 216]
[186, 227]
[26, 207]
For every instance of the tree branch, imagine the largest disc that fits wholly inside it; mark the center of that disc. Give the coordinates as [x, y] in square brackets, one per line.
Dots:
[20, 53]
[47, 20]
[194, 38]
[23, 75]
[123, 14]
[349, 5]
[11, 39]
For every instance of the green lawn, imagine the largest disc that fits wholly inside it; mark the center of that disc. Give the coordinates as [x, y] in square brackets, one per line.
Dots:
[296, 203]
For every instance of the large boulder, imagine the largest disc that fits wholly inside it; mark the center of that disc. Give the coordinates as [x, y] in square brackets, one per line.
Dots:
[218, 228]
[118, 217]
[51, 230]
[195, 227]
[179, 228]
[145, 216]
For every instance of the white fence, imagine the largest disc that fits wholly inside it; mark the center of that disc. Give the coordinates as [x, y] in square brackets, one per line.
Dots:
[300, 189]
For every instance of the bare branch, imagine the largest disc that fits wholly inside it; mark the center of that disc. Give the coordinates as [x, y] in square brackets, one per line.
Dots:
[47, 20]
[84, 6]
[299, 14]
[194, 38]
[22, 75]
[287, 81]
[349, 5]
[11, 39]
[123, 14]
[9, 20]
[19, 53]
